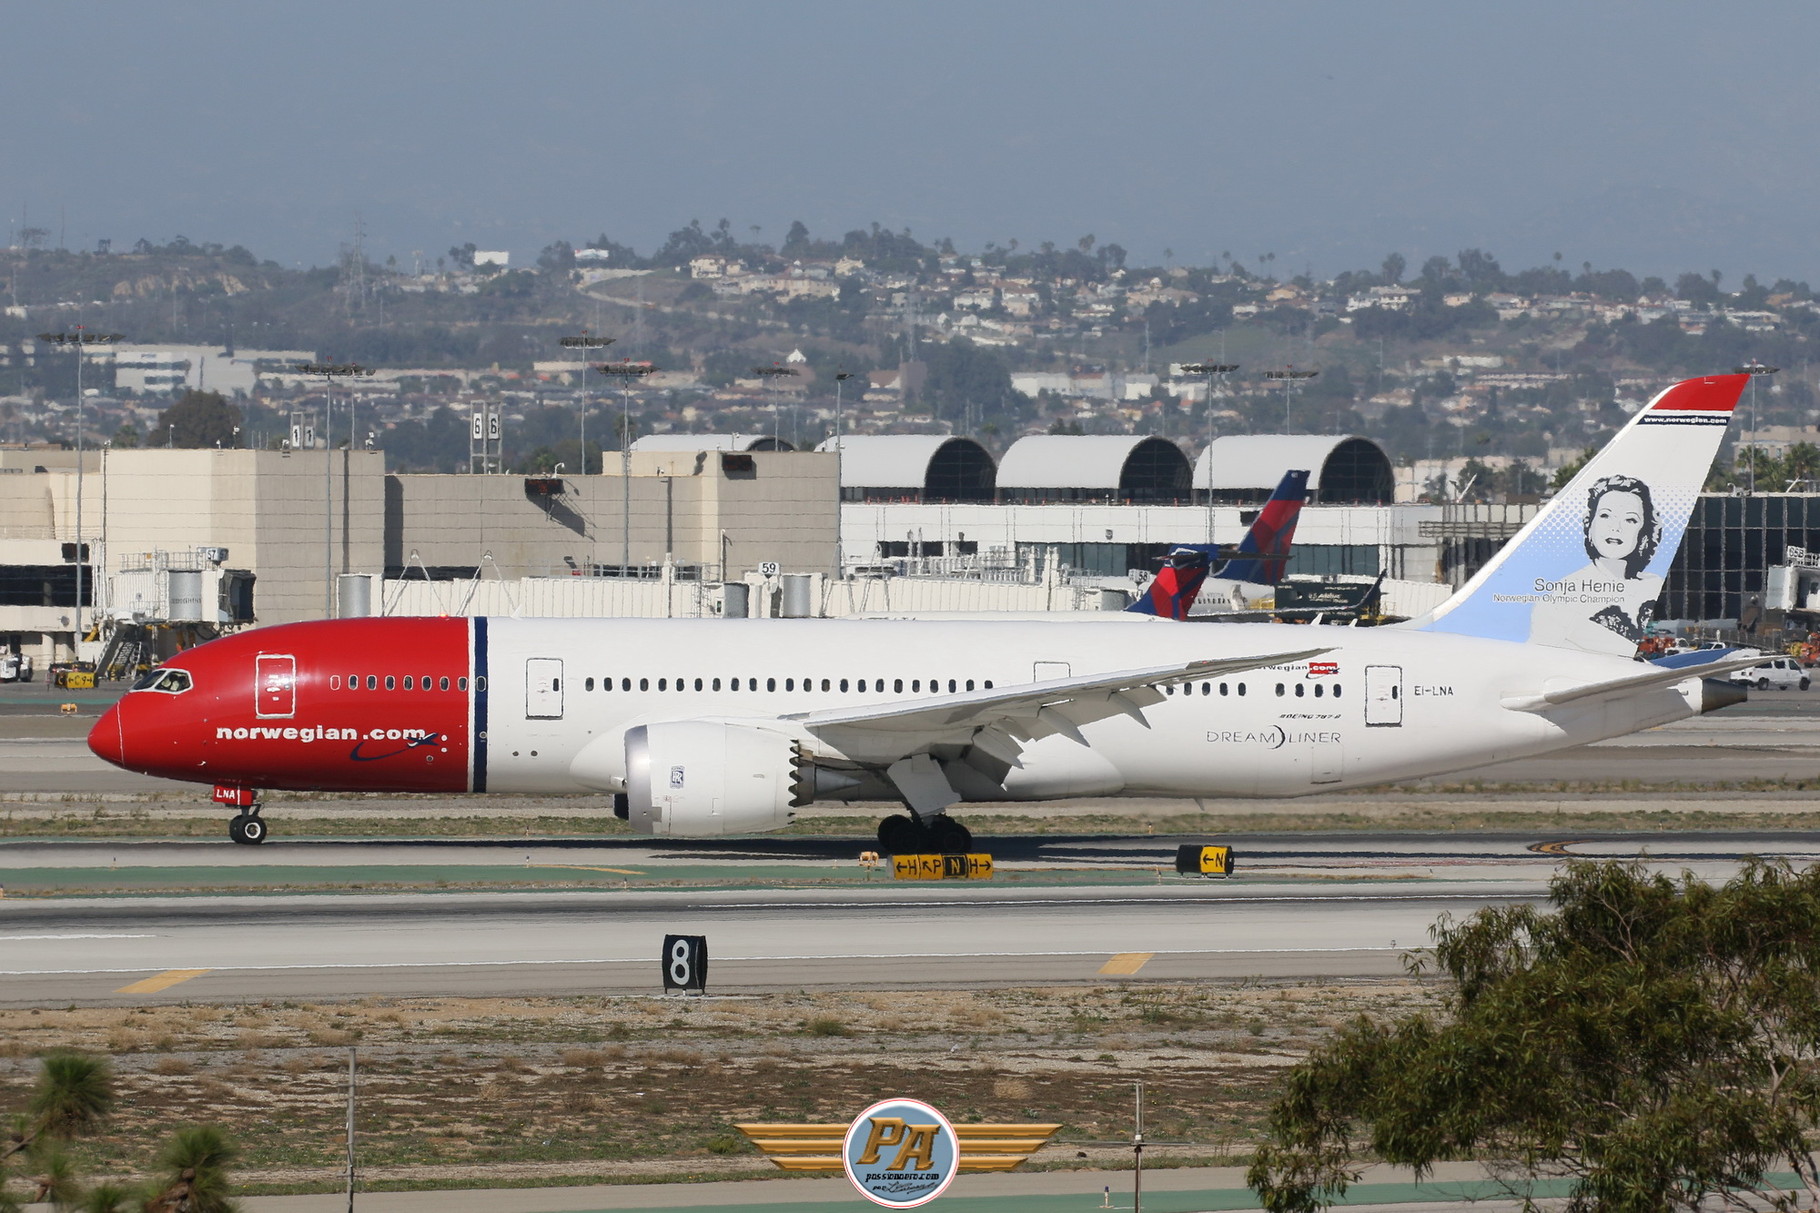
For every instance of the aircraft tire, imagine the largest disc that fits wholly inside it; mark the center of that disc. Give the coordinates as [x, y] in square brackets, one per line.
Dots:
[900, 835]
[949, 837]
[234, 824]
[253, 831]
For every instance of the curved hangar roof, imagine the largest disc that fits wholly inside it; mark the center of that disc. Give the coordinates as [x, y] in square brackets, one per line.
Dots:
[1058, 467]
[1346, 469]
[710, 442]
[894, 467]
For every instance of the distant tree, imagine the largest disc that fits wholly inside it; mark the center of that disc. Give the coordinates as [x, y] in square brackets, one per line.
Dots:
[1696, 289]
[1653, 1040]
[557, 258]
[201, 419]
[1571, 468]
[1394, 265]
[463, 255]
[127, 436]
[796, 241]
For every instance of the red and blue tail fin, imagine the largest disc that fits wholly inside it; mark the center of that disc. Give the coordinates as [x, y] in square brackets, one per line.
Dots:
[1265, 549]
[1260, 557]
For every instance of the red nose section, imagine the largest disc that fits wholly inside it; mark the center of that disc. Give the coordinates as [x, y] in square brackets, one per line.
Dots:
[105, 738]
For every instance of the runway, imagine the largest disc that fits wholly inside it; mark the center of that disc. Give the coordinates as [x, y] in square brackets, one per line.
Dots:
[1312, 906]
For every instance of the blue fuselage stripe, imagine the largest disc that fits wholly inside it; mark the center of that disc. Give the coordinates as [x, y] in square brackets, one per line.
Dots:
[479, 740]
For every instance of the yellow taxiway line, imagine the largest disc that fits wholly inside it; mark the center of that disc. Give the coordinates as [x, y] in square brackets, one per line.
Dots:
[1126, 963]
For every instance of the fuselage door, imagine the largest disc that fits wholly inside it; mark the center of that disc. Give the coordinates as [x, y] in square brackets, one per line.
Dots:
[543, 688]
[276, 678]
[1383, 696]
[1043, 671]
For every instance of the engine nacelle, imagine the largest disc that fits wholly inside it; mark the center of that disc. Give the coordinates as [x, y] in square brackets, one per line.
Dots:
[704, 778]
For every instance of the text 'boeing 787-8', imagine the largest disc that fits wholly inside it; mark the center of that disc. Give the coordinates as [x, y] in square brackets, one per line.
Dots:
[695, 728]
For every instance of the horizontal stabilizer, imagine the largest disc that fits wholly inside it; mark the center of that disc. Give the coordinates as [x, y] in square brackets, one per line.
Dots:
[1630, 684]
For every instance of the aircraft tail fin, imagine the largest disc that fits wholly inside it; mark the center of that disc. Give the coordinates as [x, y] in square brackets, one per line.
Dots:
[1586, 572]
[1265, 548]
[1260, 557]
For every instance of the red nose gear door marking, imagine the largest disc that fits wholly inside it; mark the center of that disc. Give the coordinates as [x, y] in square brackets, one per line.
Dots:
[277, 685]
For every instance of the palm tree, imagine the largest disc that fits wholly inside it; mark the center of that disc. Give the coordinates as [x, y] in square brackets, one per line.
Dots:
[75, 1092]
[195, 1169]
[56, 1179]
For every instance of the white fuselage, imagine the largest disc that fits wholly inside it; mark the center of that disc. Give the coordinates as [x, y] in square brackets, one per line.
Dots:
[1397, 704]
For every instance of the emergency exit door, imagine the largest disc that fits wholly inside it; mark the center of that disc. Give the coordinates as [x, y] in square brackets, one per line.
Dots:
[543, 688]
[1383, 696]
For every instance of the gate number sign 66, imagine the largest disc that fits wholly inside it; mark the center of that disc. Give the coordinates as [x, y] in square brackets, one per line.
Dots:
[685, 962]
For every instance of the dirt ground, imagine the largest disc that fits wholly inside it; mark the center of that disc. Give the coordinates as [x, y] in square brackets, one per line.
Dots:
[461, 1092]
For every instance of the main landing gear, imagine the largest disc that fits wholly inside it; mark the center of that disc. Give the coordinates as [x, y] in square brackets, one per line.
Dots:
[939, 834]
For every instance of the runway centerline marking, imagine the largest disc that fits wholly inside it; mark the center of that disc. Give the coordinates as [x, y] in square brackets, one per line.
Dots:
[163, 981]
[1124, 964]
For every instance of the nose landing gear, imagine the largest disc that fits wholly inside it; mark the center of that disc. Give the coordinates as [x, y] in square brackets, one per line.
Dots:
[247, 826]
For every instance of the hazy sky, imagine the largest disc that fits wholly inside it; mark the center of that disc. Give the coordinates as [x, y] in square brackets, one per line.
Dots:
[1657, 136]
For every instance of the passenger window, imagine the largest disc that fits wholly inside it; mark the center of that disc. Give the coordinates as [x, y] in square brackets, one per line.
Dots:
[698, 684]
[391, 683]
[1279, 689]
[461, 684]
[1300, 690]
[733, 684]
[663, 684]
[970, 684]
[1241, 688]
[862, 685]
[916, 684]
[1223, 688]
[443, 683]
[424, 682]
[353, 682]
[372, 682]
[408, 683]
[897, 684]
[1169, 689]
[717, 684]
[951, 686]
[480, 684]
[1318, 690]
[771, 684]
[988, 684]
[588, 685]
[644, 684]
[843, 686]
[1206, 688]
[334, 682]
[1336, 690]
[827, 685]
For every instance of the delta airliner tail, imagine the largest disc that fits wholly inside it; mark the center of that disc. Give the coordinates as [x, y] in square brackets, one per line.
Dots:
[1260, 558]
[1587, 572]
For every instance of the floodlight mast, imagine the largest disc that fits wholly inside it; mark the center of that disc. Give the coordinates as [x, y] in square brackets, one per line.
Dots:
[1756, 370]
[628, 371]
[80, 339]
[330, 371]
[1289, 377]
[772, 373]
[1213, 370]
[840, 378]
[585, 341]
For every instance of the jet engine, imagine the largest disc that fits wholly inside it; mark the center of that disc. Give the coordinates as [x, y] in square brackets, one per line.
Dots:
[704, 778]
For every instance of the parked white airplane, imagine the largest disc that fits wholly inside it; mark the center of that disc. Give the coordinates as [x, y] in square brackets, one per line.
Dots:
[697, 728]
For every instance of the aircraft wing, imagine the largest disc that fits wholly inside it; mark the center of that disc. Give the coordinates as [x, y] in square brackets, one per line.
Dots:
[1655, 676]
[885, 733]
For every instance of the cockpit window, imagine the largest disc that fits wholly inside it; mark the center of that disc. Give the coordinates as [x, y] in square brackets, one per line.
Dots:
[171, 682]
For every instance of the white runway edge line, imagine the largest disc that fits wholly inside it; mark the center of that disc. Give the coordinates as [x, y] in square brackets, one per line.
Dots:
[638, 960]
[16, 938]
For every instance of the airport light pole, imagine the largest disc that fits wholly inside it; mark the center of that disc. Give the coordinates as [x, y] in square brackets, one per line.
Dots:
[840, 456]
[330, 371]
[771, 374]
[79, 339]
[1756, 370]
[1289, 377]
[585, 341]
[1213, 371]
[627, 371]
